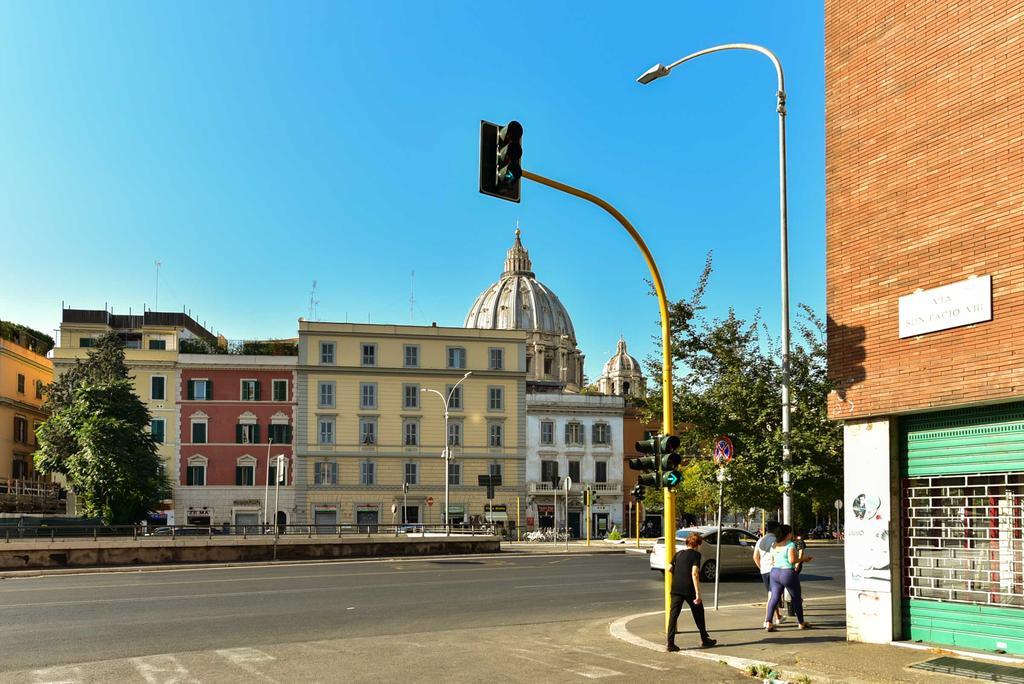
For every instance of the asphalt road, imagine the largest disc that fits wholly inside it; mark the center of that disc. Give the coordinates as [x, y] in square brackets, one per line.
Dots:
[67, 619]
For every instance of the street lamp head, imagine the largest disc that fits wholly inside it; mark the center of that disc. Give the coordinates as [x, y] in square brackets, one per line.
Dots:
[468, 373]
[653, 74]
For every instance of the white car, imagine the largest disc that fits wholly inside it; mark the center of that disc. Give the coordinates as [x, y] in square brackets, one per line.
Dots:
[737, 550]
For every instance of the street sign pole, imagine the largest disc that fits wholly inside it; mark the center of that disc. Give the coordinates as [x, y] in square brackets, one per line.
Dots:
[718, 539]
[568, 485]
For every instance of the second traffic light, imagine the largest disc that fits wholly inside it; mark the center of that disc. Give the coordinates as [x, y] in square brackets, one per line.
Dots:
[660, 469]
[501, 152]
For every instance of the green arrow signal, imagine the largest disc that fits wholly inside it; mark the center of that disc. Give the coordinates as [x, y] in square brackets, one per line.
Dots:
[672, 478]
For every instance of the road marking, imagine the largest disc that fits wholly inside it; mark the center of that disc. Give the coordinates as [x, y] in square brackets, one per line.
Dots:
[590, 671]
[245, 658]
[163, 669]
[597, 652]
[65, 674]
[595, 672]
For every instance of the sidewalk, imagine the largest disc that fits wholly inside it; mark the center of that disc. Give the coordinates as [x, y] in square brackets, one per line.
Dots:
[821, 654]
[596, 546]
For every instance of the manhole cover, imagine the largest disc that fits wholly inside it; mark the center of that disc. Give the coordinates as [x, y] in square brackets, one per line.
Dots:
[989, 672]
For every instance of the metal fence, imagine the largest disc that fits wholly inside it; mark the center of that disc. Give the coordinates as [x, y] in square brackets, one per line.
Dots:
[12, 533]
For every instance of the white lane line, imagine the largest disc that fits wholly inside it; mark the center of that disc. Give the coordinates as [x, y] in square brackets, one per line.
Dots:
[599, 654]
[595, 672]
[591, 672]
[163, 669]
[570, 582]
[246, 659]
[63, 674]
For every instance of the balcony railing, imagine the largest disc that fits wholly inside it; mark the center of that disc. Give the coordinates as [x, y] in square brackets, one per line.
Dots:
[30, 496]
[610, 488]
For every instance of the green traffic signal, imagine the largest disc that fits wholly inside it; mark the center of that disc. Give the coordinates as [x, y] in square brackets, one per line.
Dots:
[672, 478]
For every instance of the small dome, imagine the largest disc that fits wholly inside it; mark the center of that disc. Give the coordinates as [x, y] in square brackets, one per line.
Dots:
[518, 301]
[622, 362]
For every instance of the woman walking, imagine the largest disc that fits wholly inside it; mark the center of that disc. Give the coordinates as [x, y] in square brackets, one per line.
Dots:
[686, 589]
[784, 576]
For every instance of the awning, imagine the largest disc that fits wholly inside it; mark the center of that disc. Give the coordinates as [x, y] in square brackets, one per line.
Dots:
[496, 516]
[452, 508]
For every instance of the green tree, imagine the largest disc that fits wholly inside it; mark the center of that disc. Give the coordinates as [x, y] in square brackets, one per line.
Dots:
[97, 438]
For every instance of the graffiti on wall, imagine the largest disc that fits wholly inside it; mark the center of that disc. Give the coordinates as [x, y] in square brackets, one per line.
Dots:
[867, 543]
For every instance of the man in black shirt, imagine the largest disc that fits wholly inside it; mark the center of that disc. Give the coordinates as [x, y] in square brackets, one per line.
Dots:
[686, 588]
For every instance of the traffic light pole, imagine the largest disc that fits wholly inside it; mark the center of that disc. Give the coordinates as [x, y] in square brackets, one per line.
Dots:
[669, 517]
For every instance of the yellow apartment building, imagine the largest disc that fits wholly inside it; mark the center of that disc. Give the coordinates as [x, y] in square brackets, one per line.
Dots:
[370, 420]
[152, 342]
[24, 371]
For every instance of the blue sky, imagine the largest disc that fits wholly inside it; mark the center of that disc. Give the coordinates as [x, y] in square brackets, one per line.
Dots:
[255, 147]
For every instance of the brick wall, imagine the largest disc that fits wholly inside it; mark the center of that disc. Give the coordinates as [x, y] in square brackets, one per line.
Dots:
[925, 187]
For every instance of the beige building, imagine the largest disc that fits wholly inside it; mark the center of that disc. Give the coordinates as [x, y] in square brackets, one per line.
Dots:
[152, 343]
[367, 422]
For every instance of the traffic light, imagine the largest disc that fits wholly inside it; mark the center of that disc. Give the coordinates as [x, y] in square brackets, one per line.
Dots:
[501, 149]
[660, 468]
[638, 492]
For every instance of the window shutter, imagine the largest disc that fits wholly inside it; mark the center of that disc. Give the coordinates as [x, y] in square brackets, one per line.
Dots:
[238, 476]
[191, 389]
[287, 434]
[256, 434]
[316, 474]
[256, 392]
[238, 434]
[209, 390]
[567, 433]
[334, 473]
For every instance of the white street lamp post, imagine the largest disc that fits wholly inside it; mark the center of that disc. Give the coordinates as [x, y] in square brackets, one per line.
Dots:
[660, 70]
[447, 450]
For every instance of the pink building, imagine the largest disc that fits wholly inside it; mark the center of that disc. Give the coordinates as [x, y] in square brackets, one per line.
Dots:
[237, 416]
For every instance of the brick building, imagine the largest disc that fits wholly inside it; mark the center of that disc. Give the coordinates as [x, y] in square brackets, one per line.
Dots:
[925, 271]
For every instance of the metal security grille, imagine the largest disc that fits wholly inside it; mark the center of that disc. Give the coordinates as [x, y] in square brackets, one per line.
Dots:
[964, 538]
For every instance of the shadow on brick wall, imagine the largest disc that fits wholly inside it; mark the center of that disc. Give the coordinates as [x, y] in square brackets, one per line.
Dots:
[846, 356]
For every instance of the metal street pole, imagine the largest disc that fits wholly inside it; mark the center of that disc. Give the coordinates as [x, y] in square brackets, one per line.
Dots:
[666, 356]
[718, 539]
[277, 498]
[266, 489]
[447, 450]
[568, 486]
[554, 514]
[658, 71]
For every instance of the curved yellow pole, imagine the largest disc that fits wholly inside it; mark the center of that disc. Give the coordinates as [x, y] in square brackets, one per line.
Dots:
[669, 518]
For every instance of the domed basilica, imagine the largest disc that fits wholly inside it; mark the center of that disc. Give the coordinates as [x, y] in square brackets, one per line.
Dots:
[518, 301]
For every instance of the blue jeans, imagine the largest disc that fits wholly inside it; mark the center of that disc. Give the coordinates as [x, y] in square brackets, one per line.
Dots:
[785, 579]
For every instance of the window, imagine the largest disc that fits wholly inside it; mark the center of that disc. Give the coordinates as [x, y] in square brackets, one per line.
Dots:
[412, 356]
[454, 434]
[156, 428]
[250, 390]
[495, 398]
[86, 342]
[281, 434]
[367, 473]
[199, 431]
[601, 434]
[325, 397]
[367, 431]
[547, 432]
[272, 474]
[574, 471]
[496, 359]
[548, 471]
[245, 472]
[456, 357]
[547, 365]
[410, 429]
[20, 430]
[195, 473]
[279, 390]
[495, 432]
[156, 388]
[411, 396]
[326, 352]
[158, 344]
[325, 473]
[412, 473]
[600, 471]
[39, 389]
[574, 434]
[494, 470]
[455, 397]
[327, 431]
[369, 357]
[21, 383]
[200, 389]
[247, 433]
[454, 474]
[19, 469]
[368, 395]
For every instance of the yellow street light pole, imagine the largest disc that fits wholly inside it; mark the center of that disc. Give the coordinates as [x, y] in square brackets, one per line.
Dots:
[669, 518]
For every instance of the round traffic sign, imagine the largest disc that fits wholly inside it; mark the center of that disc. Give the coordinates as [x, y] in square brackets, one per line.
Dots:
[724, 451]
[838, 504]
[430, 501]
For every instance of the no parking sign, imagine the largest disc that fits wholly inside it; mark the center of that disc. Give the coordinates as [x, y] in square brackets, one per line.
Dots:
[724, 451]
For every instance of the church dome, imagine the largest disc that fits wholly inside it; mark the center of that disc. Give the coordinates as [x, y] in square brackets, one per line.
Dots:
[518, 301]
[622, 362]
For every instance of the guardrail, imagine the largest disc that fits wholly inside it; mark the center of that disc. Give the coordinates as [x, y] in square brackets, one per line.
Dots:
[13, 533]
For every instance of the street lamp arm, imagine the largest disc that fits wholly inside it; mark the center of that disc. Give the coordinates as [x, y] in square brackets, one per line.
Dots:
[735, 46]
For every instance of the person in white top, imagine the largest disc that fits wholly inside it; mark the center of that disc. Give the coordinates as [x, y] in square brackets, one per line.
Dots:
[763, 561]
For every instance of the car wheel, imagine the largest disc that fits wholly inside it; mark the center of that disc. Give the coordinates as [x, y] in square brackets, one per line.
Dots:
[707, 571]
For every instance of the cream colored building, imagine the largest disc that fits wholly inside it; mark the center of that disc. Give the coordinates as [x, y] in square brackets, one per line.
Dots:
[365, 425]
[152, 343]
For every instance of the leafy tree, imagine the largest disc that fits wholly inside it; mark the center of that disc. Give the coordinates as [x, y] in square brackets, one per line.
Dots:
[728, 381]
[96, 437]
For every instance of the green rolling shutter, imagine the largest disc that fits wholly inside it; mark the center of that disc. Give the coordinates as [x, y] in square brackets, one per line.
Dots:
[984, 439]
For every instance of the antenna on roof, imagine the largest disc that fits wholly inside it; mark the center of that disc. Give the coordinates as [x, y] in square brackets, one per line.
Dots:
[412, 298]
[156, 301]
[313, 301]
